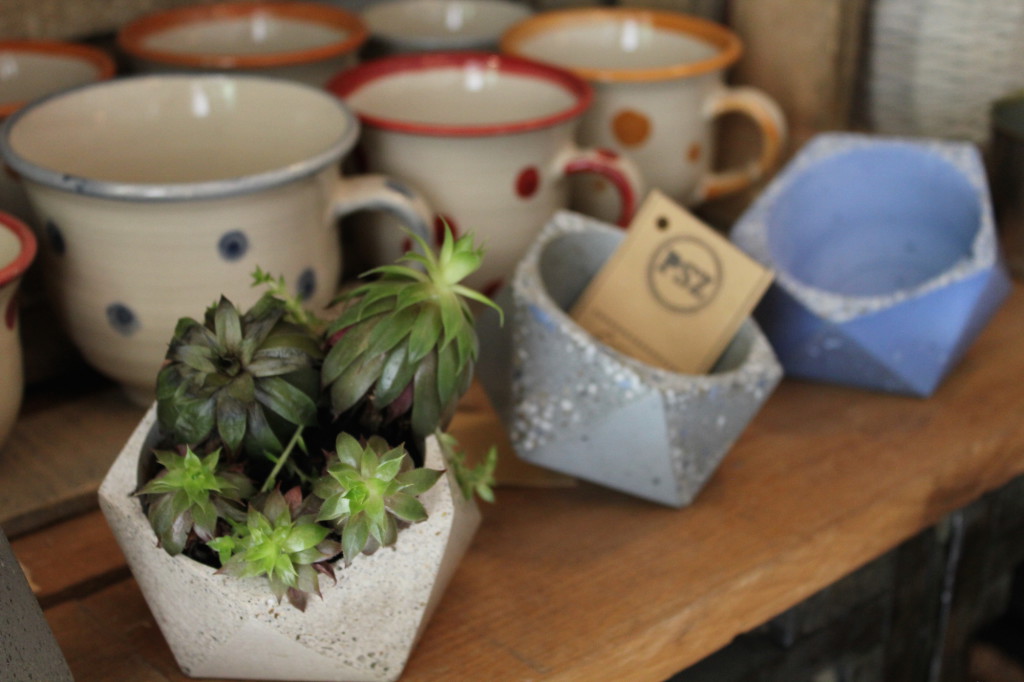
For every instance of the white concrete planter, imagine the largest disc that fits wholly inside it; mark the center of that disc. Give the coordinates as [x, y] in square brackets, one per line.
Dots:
[580, 407]
[364, 627]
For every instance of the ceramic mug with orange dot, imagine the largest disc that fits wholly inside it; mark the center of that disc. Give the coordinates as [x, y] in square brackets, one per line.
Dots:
[17, 250]
[487, 139]
[659, 86]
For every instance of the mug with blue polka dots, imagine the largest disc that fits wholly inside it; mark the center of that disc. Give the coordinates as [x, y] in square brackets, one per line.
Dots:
[157, 194]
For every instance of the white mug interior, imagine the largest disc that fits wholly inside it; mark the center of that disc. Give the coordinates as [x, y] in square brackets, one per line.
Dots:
[25, 76]
[442, 24]
[197, 135]
[258, 33]
[475, 93]
[616, 43]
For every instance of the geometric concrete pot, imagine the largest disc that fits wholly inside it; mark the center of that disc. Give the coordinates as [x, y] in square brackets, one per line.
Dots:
[364, 627]
[580, 407]
[886, 260]
[28, 650]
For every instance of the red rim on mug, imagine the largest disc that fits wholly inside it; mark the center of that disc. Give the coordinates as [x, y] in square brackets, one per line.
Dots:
[133, 37]
[102, 62]
[15, 268]
[348, 82]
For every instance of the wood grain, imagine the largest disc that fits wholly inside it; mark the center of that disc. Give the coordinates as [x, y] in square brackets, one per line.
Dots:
[62, 445]
[71, 559]
[583, 583]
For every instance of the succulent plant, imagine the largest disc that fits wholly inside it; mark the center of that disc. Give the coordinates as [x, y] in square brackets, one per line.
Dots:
[367, 489]
[409, 346]
[281, 540]
[473, 480]
[189, 495]
[234, 374]
[256, 392]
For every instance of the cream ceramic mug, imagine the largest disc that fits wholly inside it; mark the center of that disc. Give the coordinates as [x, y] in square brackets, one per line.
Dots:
[157, 194]
[17, 250]
[304, 41]
[659, 85]
[489, 141]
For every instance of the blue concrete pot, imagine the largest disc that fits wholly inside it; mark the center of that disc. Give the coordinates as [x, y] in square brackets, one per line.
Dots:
[575, 405]
[886, 260]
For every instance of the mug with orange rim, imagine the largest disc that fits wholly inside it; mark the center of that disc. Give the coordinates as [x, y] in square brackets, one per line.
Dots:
[304, 41]
[659, 86]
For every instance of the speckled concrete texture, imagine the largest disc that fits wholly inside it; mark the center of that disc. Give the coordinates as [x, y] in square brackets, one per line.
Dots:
[364, 628]
[28, 651]
[577, 406]
[903, 337]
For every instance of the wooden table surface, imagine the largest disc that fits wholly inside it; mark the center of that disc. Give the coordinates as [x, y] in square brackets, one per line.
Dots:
[582, 583]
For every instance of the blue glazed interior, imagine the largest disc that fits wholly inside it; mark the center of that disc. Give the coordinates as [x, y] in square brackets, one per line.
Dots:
[874, 220]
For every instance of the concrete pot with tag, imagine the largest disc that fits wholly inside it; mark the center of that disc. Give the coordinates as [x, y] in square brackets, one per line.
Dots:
[578, 406]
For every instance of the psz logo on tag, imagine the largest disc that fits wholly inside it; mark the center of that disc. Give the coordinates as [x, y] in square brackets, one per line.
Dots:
[684, 274]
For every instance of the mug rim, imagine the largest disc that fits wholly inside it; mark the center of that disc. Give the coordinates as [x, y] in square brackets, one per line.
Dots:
[177, 191]
[94, 56]
[375, 13]
[728, 44]
[131, 38]
[349, 81]
[17, 267]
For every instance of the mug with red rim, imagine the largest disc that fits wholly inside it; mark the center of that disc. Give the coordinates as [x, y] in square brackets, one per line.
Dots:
[304, 41]
[487, 139]
[659, 87]
[17, 251]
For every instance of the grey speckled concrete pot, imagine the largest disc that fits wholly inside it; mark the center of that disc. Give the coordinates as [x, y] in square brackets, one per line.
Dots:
[364, 628]
[28, 650]
[575, 405]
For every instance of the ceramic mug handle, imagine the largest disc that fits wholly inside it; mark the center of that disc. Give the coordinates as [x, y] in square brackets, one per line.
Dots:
[383, 193]
[770, 121]
[620, 171]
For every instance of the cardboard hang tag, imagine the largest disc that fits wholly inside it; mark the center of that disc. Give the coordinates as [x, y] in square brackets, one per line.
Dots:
[674, 293]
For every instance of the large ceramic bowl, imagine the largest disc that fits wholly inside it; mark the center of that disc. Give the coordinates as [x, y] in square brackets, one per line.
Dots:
[303, 41]
[886, 260]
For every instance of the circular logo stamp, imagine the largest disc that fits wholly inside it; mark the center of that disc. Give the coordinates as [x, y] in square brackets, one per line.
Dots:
[684, 274]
